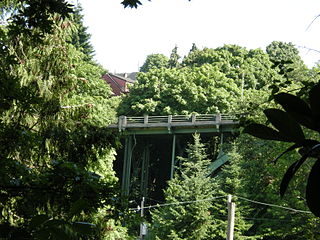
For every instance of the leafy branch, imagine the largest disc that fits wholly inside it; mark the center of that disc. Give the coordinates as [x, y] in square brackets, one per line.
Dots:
[288, 127]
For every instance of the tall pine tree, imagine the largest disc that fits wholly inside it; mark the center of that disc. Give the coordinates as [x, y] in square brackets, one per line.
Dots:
[174, 58]
[191, 184]
[81, 38]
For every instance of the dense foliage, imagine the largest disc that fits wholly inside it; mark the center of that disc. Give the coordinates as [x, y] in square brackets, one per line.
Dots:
[56, 154]
[233, 79]
[154, 61]
[57, 181]
[191, 184]
[208, 81]
[257, 183]
[288, 128]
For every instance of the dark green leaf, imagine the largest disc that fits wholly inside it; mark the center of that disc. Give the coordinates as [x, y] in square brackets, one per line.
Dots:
[285, 124]
[314, 97]
[313, 189]
[305, 143]
[264, 132]
[293, 169]
[131, 3]
[297, 108]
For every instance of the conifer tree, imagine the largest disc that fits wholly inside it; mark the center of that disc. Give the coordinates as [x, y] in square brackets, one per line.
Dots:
[192, 220]
[174, 58]
[81, 38]
[193, 48]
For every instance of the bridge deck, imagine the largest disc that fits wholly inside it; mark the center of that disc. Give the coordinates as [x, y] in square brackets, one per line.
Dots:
[176, 124]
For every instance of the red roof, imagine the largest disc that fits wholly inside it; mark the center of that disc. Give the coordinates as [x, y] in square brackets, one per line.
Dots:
[118, 84]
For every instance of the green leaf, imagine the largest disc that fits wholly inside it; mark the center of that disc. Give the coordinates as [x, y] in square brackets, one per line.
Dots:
[305, 143]
[264, 132]
[297, 108]
[314, 97]
[313, 189]
[293, 169]
[131, 3]
[285, 124]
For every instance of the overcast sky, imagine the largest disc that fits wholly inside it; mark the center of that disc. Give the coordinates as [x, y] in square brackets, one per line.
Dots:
[122, 38]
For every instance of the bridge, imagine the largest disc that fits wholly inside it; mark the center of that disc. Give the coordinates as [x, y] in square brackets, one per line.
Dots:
[164, 132]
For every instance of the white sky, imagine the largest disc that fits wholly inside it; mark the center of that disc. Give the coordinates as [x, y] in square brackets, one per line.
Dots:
[122, 38]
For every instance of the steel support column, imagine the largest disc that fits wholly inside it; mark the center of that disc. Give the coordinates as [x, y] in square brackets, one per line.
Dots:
[125, 187]
[173, 155]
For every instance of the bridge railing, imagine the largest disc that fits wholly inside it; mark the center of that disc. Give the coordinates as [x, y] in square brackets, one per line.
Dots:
[174, 120]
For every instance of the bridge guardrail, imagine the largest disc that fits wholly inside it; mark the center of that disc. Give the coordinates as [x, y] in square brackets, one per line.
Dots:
[173, 120]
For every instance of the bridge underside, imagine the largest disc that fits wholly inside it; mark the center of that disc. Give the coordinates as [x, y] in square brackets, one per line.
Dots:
[150, 150]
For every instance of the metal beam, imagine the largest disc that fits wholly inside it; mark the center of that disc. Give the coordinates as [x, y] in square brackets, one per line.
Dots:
[154, 131]
[125, 187]
[173, 155]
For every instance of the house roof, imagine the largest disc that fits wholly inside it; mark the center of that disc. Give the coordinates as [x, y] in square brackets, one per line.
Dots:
[123, 77]
[132, 75]
[118, 84]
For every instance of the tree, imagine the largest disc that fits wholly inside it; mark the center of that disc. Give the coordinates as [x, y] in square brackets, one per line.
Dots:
[252, 158]
[27, 15]
[181, 91]
[81, 38]
[133, 3]
[288, 128]
[51, 139]
[283, 52]
[192, 184]
[286, 60]
[193, 48]
[174, 58]
[250, 69]
[210, 81]
[154, 61]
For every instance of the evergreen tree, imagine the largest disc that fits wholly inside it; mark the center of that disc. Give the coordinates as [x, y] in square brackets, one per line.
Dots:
[191, 183]
[193, 48]
[55, 151]
[81, 38]
[174, 58]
